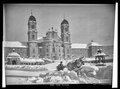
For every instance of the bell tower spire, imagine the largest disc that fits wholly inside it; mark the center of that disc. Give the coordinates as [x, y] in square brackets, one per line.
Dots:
[65, 38]
[32, 37]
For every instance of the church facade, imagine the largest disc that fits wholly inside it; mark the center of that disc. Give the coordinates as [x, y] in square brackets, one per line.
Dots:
[52, 46]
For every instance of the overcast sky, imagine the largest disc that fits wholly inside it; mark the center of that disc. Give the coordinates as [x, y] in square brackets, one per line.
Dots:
[86, 21]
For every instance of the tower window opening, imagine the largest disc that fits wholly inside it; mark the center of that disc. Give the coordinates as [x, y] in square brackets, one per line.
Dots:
[33, 50]
[66, 38]
[66, 29]
[33, 37]
[32, 26]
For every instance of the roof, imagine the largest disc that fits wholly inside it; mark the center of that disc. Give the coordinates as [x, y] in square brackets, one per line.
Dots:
[13, 54]
[31, 60]
[92, 43]
[95, 44]
[40, 38]
[78, 45]
[64, 22]
[14, 44]
[47, 59]
[100, 54]
[32, 18]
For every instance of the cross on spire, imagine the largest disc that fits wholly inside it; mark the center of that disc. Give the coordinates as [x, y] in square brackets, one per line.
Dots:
[64, 16]
[31, 12]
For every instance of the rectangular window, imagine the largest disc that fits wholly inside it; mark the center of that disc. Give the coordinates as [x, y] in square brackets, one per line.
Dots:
[33, 50]
[59, 50]
[68, 51]
[53, 49]
[47, 50]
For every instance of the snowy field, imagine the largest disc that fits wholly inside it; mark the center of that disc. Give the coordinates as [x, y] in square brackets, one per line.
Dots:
[23, 77]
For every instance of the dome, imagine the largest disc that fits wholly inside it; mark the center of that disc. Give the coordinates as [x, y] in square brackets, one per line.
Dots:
[64, 22]
[13, 54]
[32, 18]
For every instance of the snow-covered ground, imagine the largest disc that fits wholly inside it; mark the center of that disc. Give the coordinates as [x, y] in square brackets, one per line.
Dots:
[17, 79]
[50, 67]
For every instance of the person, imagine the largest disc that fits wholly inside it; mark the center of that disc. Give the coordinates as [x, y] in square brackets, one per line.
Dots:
[60, 66]
[99, 51]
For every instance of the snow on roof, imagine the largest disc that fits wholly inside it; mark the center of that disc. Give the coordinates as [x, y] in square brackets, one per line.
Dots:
[13, 44]
[47, 59]
[95, 44]
[78, 45]
[31, 60]
[100, 54]
[40, 39]
[13, 54]
[89, 59]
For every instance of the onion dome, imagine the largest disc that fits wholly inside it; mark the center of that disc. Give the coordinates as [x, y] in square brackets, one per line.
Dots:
[32, 18]
[64, 22]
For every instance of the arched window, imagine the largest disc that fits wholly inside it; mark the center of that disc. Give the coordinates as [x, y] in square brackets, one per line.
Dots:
[66, 29]
[33, 37]
[66, 38]
[53, 49]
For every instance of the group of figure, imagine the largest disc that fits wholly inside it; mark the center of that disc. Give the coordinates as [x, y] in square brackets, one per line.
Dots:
[74, 65]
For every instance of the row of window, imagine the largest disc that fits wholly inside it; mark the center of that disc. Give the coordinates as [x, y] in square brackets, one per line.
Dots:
[52, 49]
[67, 38]
[59, 50]
[29, 63]
[48, 54]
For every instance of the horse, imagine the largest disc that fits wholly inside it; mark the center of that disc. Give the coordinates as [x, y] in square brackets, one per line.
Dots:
[75, 65]
[81, 69]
